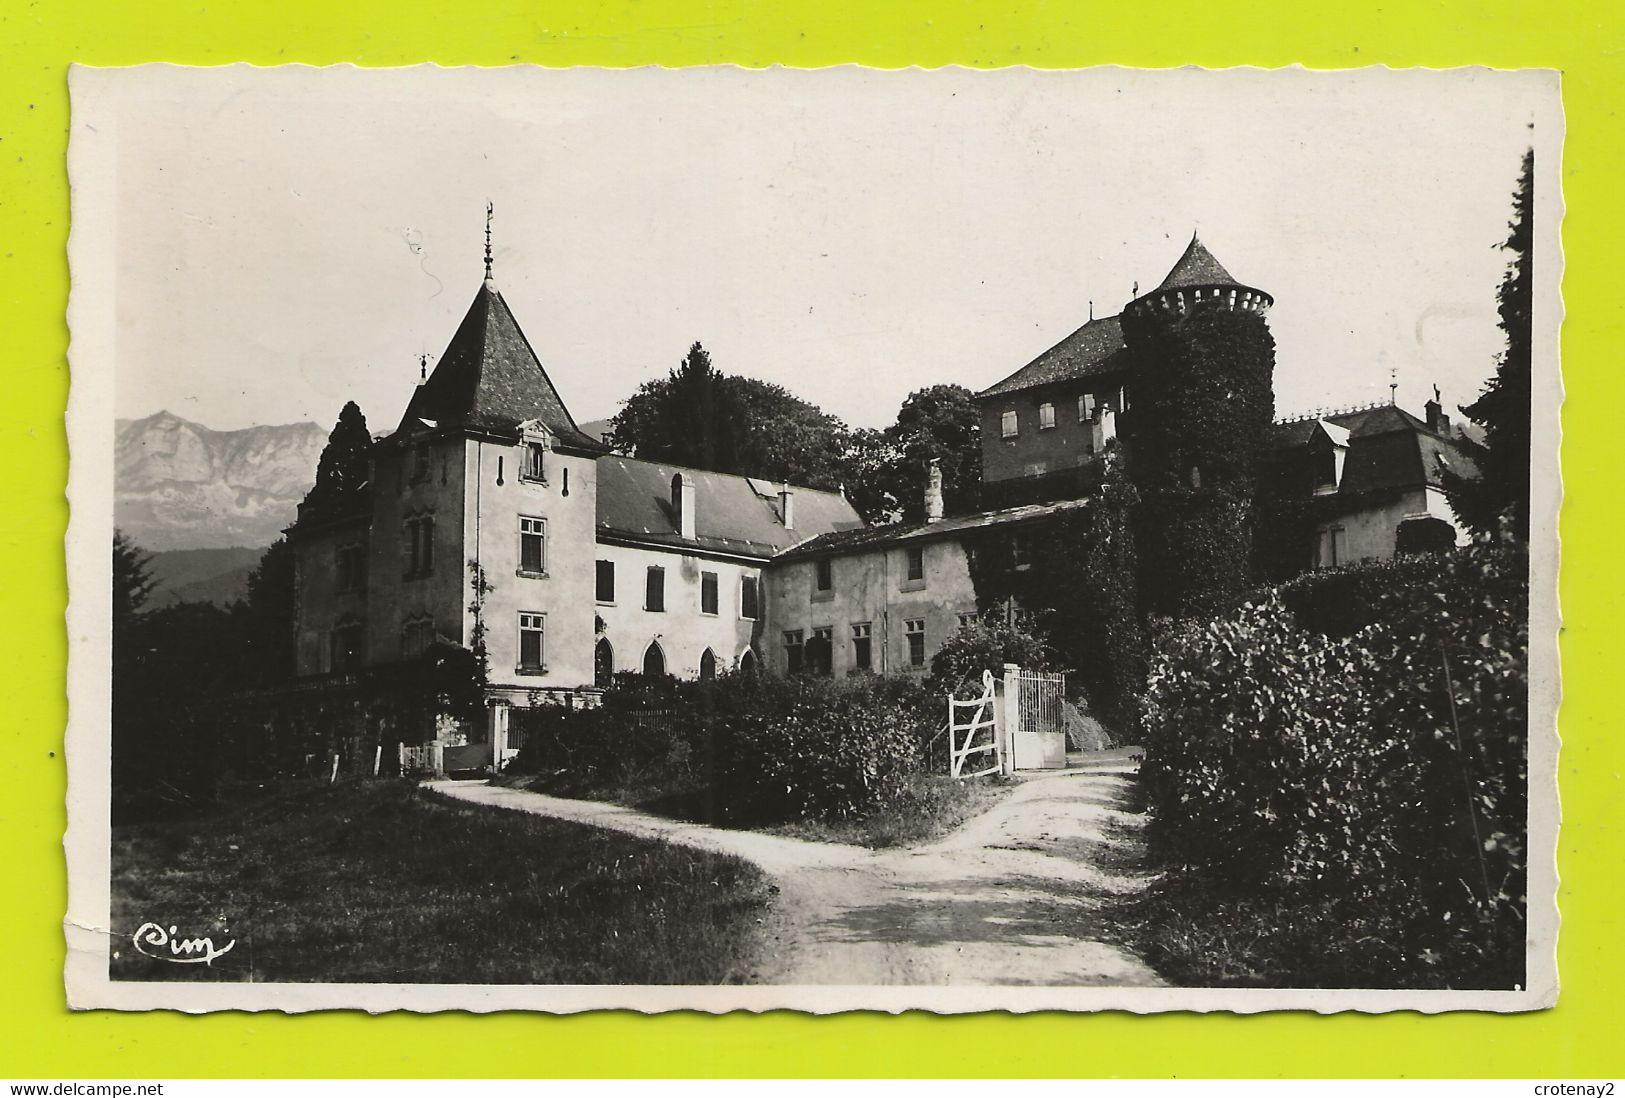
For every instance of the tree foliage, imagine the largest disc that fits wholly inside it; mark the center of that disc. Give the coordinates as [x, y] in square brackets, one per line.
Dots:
[132, 580]
[938, 423]
[342, 471]
[702, 418]
[1503, 409]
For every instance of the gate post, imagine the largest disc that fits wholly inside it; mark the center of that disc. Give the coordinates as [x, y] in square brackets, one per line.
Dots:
[496, 724]
[1008, 711]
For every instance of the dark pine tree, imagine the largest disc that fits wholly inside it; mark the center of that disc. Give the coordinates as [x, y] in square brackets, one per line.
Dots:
[341, 473]
[1501, 490]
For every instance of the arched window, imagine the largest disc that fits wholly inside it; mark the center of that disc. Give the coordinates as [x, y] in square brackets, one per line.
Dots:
[747, 662]
[603, 663]
[654, 660]
[708, 665]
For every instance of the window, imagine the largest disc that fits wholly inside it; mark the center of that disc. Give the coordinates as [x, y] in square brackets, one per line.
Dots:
[824, 574]
[350, 567]
[792, 652]
[533, 447]
[708, 666]
[862, 653]
[603, 663]
[347, 646]
[821, 651]
[654, 660]
[967, 621]
[531, 631]
[914, 563]
[416, 638]
[654, 589]
[533, 546]
[605, 588]
[420, 463]
[1018, 551]
[914, 630]
[1008, 424]
[418, 556]
[1046, 416]
[1333, 549]
[1086, 407]
[1325, 468]
[708, 592]
[747, 662]
[750, 597]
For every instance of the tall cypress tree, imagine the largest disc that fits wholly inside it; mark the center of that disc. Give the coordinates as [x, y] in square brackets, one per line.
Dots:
[341, 473]
[1501, 490]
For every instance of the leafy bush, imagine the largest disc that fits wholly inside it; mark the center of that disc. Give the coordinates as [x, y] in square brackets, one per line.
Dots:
[1382, 767]
[986, 644]
[1426, 534]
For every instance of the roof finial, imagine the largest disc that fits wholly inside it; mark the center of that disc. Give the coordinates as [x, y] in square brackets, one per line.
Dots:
[1393, 385]
[423, 366]
[489, 209]
[1091, 310]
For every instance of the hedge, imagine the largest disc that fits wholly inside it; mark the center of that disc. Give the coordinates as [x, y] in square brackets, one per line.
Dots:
[769, 750]
[1304, 747]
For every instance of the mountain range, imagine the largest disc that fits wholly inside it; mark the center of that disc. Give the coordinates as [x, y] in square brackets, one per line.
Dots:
[181, 485]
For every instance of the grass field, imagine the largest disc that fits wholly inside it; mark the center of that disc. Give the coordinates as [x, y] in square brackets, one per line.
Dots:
[385, 882]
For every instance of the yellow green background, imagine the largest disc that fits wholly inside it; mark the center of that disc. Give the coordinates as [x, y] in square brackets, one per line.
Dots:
[39, 1038]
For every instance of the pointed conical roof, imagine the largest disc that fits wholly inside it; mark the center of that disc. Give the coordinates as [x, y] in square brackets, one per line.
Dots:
[1197, 267]
[489, 379]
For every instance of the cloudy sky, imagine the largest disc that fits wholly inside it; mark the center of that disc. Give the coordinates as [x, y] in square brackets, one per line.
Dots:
[286, 240]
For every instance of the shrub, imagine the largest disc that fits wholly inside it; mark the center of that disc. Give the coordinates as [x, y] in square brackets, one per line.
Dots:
[1424, 535]
[987, 644]
[1290, 755]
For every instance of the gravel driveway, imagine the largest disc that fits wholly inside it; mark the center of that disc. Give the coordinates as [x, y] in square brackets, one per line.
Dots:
[1019, 895]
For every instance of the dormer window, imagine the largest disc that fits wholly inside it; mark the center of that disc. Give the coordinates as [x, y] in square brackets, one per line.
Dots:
[1328, 449]
[535, 441]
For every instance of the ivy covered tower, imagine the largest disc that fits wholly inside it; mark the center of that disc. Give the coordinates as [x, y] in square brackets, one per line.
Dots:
[1202, 363]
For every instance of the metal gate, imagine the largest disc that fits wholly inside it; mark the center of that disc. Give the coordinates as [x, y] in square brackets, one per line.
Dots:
[1042, 699]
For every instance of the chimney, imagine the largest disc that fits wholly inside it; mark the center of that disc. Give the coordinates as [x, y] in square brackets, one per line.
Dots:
[933, 492]
[787, 506]
[682, 504]
[1438, 422]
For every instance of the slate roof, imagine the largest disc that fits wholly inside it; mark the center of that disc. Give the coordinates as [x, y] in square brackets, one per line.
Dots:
[732, 514]
[1095, 349]
[1196, 267]
[489, 379]
[871, 537]
[1388, 449]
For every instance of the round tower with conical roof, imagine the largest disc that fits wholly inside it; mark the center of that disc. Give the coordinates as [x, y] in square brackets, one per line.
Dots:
[1201, 369]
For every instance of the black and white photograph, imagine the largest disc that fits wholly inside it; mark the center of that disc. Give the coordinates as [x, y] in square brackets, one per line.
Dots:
[838, 539]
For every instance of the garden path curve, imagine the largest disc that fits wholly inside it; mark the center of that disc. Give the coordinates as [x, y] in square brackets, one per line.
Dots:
[1018, 895]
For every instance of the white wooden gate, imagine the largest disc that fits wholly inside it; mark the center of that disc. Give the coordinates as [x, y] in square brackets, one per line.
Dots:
[975, 734]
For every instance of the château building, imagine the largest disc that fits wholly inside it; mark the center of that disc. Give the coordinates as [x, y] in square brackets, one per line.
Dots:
[492, 519]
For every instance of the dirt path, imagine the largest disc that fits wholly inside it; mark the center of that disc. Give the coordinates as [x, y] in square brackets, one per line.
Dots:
[1015, 896]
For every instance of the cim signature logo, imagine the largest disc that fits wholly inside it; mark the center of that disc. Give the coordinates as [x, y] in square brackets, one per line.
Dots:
[154, 941]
